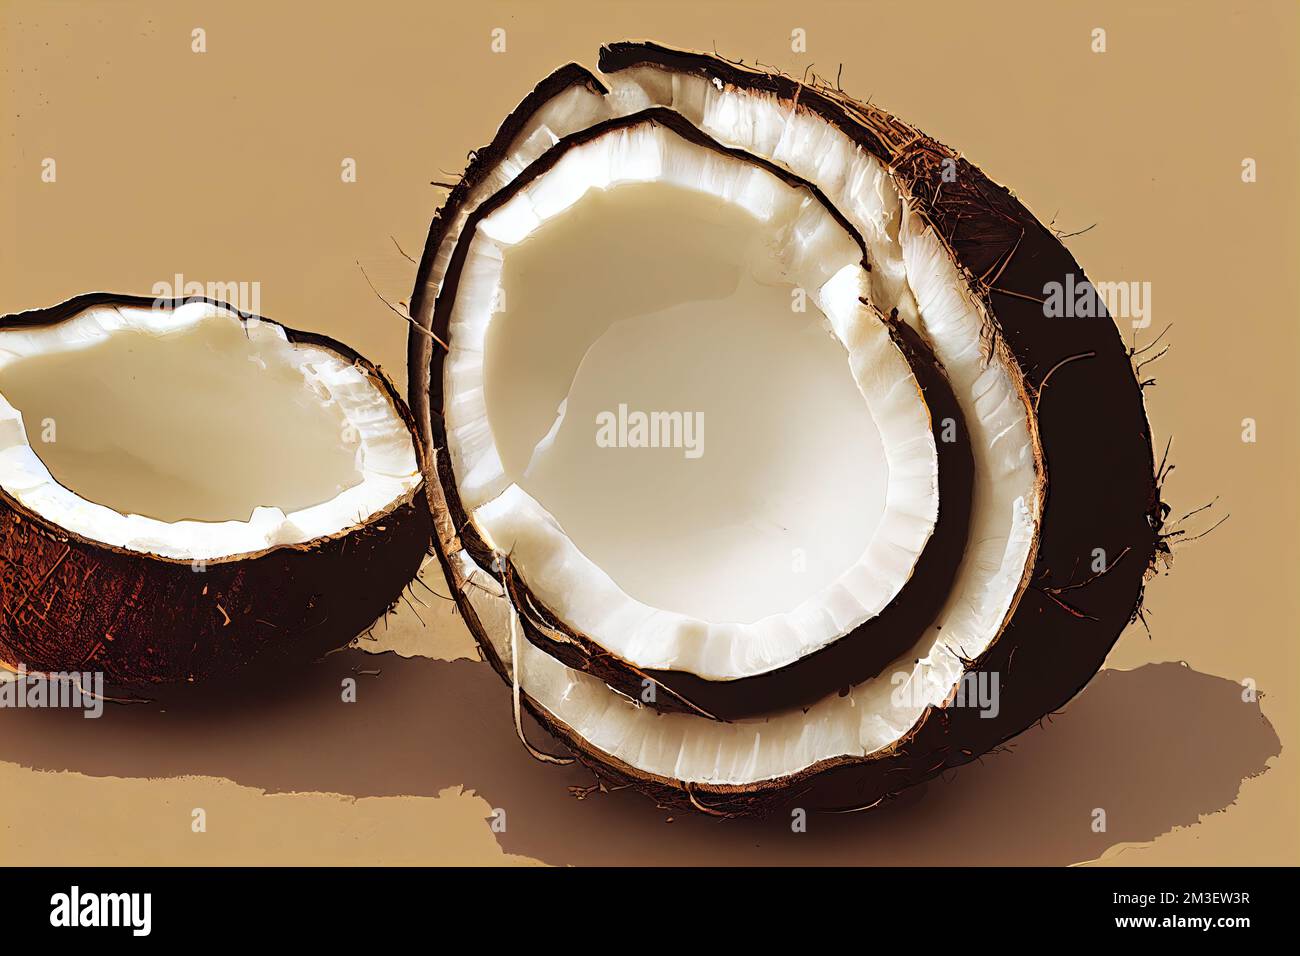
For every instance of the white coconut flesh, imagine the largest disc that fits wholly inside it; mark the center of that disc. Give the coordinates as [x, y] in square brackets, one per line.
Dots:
[192, 433]
[912, 272]
[672, 410]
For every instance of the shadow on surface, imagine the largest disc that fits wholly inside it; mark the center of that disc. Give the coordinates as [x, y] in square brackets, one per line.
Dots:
[1155, 747]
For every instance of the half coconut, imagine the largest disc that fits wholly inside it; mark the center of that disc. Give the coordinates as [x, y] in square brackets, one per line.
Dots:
[724, 628]
[184, 487]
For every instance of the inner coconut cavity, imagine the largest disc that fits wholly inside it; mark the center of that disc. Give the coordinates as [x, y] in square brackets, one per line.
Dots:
[668, 405]
[912, 272]
[193, 433]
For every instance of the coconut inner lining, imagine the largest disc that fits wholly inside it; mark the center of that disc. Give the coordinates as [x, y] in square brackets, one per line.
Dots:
[802, 484]
[669, 430]
[192, 433]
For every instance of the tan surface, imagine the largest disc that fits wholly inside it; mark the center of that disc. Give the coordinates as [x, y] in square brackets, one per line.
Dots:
[225, 166]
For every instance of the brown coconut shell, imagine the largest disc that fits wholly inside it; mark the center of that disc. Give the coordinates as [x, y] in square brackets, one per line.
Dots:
[72, 604]
[1100, 489]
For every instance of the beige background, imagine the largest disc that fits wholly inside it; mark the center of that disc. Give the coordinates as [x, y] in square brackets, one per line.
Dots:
[225, 166]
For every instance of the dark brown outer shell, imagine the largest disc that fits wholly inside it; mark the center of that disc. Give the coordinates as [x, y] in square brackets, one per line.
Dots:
[71, 604]
[1096, 443]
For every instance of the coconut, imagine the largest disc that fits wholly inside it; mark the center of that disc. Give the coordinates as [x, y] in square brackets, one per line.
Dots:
[183, 487]
[950, 257]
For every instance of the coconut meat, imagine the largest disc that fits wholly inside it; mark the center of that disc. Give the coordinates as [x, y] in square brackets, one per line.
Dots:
[784, 480]
[193, 433]
[913, 273]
